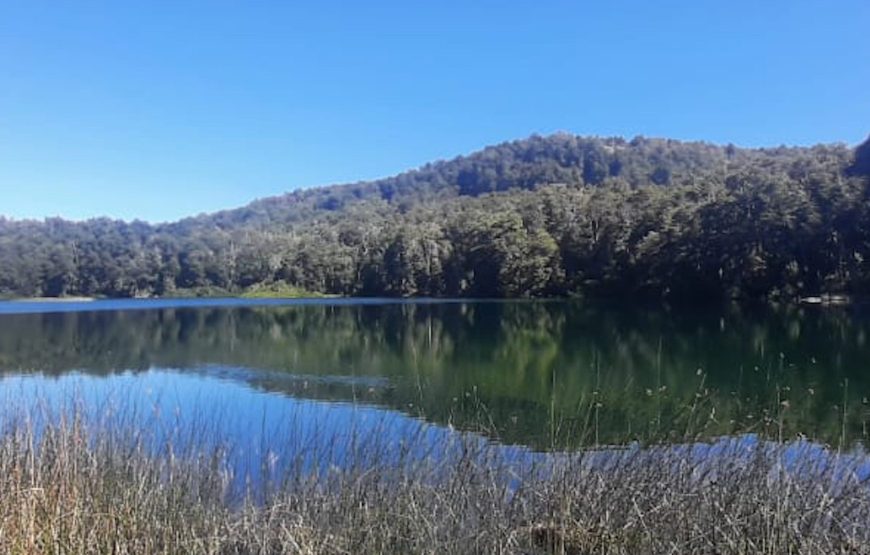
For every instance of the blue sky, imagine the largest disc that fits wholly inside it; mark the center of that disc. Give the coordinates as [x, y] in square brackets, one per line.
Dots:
[161, 109]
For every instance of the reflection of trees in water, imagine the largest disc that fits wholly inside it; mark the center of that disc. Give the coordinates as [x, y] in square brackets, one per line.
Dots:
[539, 371]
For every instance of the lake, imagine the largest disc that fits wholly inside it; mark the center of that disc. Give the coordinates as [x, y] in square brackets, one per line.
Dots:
[269, 376]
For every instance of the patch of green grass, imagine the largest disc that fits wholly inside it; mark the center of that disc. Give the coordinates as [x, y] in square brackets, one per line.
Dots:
[280, 290]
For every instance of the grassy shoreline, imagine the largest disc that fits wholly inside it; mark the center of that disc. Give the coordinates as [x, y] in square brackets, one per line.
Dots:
[67, 489]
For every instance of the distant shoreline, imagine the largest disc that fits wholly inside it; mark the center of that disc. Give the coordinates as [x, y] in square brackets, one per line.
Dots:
[826, 300]
[51, 300]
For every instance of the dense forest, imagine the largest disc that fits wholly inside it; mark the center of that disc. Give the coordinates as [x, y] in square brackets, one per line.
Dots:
[546, 216]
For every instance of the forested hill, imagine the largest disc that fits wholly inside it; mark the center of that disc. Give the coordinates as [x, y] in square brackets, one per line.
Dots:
[546, 216]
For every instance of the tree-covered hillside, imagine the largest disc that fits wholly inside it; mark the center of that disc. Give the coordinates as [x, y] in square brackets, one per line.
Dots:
[545, 216]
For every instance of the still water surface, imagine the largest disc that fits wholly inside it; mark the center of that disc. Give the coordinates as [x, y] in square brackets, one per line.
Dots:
[533, 376]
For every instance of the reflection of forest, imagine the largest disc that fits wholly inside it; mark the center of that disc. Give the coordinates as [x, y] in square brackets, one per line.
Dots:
[537, 372]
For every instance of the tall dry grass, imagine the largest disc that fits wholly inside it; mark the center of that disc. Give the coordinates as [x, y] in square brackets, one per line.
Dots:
[66, 490]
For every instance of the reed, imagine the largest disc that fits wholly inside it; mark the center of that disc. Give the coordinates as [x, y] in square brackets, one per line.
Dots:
[67, 487]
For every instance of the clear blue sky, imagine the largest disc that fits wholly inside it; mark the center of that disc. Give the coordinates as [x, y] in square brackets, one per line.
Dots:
[161, 109]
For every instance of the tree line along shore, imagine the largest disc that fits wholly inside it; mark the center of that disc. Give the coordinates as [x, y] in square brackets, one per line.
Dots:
[551, 216]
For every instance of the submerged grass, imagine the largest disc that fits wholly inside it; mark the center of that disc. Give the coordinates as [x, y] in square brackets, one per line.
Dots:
[68, 488]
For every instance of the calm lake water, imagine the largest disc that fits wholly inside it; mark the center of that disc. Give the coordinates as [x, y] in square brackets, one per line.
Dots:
[532, 376]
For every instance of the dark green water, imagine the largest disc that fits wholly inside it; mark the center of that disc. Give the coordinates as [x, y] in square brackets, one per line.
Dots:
[541, 374]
